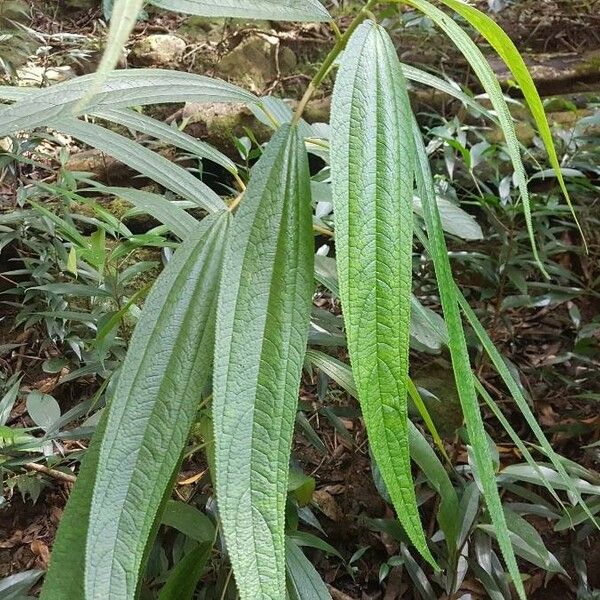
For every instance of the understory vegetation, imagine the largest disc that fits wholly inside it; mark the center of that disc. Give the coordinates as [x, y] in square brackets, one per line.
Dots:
[300, 300]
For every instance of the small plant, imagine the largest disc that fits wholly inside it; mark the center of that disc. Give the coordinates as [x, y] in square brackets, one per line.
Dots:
[226, 324]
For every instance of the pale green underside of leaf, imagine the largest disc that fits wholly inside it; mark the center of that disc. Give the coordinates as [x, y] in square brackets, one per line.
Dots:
[460, 358]
[490, 83]
[120, 89]
[372, 179]
[155, 401]
[166, 134]
[509, 53]
[145, 161]
[262, 328]
[279, 10]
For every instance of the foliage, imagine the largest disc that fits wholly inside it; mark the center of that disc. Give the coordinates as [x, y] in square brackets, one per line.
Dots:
[221, 340]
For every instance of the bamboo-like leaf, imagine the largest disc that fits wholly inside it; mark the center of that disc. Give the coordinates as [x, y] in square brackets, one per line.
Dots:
[419, 76]
[145, 161]
[305, 583]
[183, 578]
[491, 85]
[279, 10]
[175, 218]
[372, 175]
[460, 358]
[124, 88]
[509, 53]
[165, 133]
[155, 401]
[262, 328]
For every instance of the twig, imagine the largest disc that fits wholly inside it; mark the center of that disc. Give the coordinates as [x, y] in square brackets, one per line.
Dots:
[51, 472]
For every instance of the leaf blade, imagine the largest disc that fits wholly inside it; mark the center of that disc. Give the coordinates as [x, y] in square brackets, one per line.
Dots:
[372, 197]
[262, 328]
[281, 10]
[152, 411]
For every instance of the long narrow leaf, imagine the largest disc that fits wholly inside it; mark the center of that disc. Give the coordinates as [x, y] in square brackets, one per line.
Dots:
[166, 369]
[509, 53]
[145, 161]
[372, 176]
[460, 358]
[262, 329]
[165, 133]
[279, 10]
[490, 83]
[124, 88]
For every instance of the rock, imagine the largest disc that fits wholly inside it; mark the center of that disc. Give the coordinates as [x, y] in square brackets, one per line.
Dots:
[158, 50]
[252, 63]
[36, 76]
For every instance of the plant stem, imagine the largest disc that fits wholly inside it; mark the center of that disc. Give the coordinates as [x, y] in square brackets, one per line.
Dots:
[330, 59]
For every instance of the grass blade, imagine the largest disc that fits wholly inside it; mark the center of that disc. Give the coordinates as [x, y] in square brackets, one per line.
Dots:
[372, 176]
[262, 329]
[509, 53]
[460, 358]
[490, 83]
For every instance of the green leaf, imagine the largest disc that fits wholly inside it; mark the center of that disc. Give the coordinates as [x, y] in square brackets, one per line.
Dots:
[372, 175]
[304, 583]
[121, 89]
[8, 401]
[189, 520]
[68, 551]
[185, 575]
[277, 10]
[454, 219]
[166, 134]
[43, 409]
[418, 75]
[490, 83]
[460, 357]
[176, 219]
[152, 410]
[262, 329]
[509, 53]
[145, 161]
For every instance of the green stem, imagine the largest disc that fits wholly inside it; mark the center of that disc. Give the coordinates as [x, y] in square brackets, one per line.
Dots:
[330, 59]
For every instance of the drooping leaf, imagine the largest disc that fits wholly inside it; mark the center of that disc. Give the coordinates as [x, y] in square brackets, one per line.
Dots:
[304, 583]
[279, 10]
[372, 175]
[490, 83]
[262, 328]
[145, 161]
[166, 134]
[180, 223]
[509, 53]
[123, 17]
[120, 89]
[460, 358]
[155, 401]
[183, 579]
